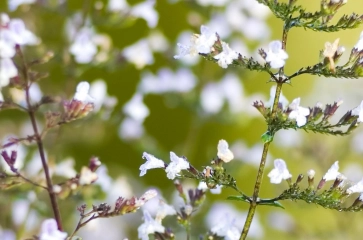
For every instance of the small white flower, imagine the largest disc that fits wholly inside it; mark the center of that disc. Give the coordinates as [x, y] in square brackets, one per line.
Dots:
[276, 56]
[358, 111]
[139, 54]
[177, 164]
[146, 197]
[332, 173]
[7, 71]
[227, 229]
[359, 45]
[83, 48]
[224, 153]
[87, 176]
[149, 226]
[311, 173]
[356, 188]
[199, 43]
[49, 231]
[13, 4]
[279, 172]
[82, 92]
[151, 162]
[298, 113]
[227, 56]
[164, 210]
[136, 108]
[146, 11]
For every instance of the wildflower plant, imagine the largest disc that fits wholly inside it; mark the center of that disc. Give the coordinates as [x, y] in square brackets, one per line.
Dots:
[18, 74]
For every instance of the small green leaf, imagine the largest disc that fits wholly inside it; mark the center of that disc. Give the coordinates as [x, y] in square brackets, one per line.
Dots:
[238, 198]
[267, 137]
[274, 204]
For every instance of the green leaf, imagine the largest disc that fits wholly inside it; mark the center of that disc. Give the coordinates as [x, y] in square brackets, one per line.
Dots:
[267, 137]
[238, 198]
[274, 204]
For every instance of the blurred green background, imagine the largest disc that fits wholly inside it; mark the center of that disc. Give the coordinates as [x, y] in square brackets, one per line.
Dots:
[177, 121]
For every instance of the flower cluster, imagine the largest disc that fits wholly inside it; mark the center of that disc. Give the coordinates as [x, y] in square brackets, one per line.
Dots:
[13, 33]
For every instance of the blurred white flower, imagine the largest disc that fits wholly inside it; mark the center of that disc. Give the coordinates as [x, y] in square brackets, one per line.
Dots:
[136, 109]
[157, 42]
[227, 229]
[98, 91]
[14, 4]
[139, 54]
[83, 47]
[280, 172]
[151, 162]
[281, 221]
[332, 173]
[298, 113]
[87, 176]
[146, 11]
[212, 98]
[149, 226]
[275, 55]
[117, 5]
[255, 29]
[167, 81]
[203, 186]
[130, 129]
[358, 111]
[213, 2]
[82, 92]
[199, 43]
[227, 56]
[224, 153]
[356, 188]
[359, 45]
[7, 235]
[233, 92]
[49, 231]
[283, 100]
[65, 168]
[223, 212]
[164, 210]
[176, 165]
[7, 70]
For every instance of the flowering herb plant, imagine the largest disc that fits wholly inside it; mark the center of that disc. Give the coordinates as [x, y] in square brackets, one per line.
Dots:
[87, 47]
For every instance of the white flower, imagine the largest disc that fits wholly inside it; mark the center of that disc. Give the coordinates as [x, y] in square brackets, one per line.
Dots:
[199, 43]
[13, 4]
[87, 176]
[358, 111]
[136, 109]
[332, 173]
[311, 173]
[177, 164]
[226, 229]
[149, 226]
[223, 151]
[164, 210]
[356, 188]
[276, 56]
[203, 186]
[20, 34]
[146, 197]
[151, 162]
[82, 92]
[298, 113]
[49, 231]
[279, 172]
[359, 45]
[7, 71]
[146, 11]
[83, 48]
[227, 56]
[139, 54]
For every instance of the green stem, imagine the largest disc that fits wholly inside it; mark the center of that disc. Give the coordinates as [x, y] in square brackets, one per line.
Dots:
[253, 203]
